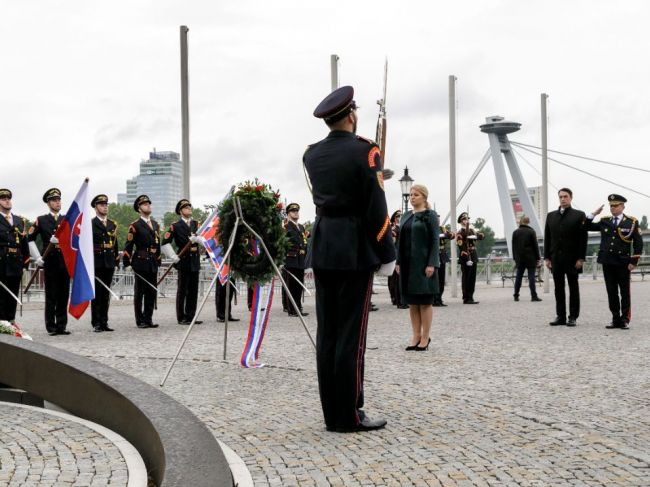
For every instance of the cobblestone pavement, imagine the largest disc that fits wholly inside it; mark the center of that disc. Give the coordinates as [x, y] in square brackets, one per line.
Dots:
[40, 450]
[500, 398]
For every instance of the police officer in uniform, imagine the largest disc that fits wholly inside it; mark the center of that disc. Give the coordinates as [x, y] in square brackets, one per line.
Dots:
[105, 250]
[466, 238]
[57, 281]
[142, 252]
[621, 246]
[295, 261]
[445, 235]
[14, 255]
[188, 264]
[350, 239]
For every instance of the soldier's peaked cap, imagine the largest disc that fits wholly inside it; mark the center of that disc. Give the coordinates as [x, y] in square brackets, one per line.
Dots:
[5, 193]
[336, 105]
[51, 194]
[293, 206]
[100, 198]
[616, 199]
[463, 215]
[182, 204]
[143, 198]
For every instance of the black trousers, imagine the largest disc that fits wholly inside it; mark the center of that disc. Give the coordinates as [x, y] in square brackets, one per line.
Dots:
[294, 287]
[531, 279]
[187, 294]
[144, 297]
[617, 278]
[574, 292]
[468, 280]
[437, 298]
[220, 298]
[7, 303]
[285, 301]
[393, 289]
[99, 305]
[57, 294]
[342, 304]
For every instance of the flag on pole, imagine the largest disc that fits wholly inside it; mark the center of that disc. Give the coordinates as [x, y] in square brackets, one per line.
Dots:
[213, 247]
[75, 236]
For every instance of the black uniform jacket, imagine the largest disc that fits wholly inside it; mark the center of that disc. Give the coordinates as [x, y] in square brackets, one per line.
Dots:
[14, 251]
[444, 236]
[105, 246]
[142, 248]
[525, 249]
[616, 242]
[180, 233]
[467, 246]
[297, 236]
[45, 226]
[352, 227]
[565, 237]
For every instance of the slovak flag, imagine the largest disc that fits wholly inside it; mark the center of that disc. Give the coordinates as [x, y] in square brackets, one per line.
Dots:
[75, 236]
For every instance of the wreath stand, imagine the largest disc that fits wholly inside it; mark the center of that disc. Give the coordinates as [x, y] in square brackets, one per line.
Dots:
[226, 260]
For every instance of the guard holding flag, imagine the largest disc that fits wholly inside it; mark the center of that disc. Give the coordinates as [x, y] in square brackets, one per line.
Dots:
[105, 250]
[57, 280]
[142, 253]
[14, 256]
[187, 262]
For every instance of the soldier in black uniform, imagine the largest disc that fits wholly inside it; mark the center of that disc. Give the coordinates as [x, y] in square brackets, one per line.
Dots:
[620, 235]
[142, 252]
[350, 239]
[188, 264]
[57, 281]
[105, 249]
[295, 261]
[445, 235]
[466, 238]
[14, 255]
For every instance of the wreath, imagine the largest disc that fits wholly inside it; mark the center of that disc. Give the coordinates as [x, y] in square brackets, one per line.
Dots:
[262, 210]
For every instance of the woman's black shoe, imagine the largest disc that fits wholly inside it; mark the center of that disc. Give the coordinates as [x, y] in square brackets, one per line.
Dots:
[422, 349]
[410, 348]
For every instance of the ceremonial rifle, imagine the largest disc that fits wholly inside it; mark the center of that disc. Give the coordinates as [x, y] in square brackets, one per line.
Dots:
[180, 254]
[382, 125]
[48, 249]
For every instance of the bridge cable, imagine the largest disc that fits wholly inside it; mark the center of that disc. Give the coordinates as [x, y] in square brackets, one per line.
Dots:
[532, 166]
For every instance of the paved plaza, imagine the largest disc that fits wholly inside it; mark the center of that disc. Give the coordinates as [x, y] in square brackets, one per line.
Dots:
[500, 398]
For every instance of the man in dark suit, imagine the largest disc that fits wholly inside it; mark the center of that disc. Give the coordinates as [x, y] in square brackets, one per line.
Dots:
[183, 234]
[295, 261]
[350, 239]
[57, 281]
[105, 250]
[525, 252]
[14, 255]
[565, 246]
[142, 252]
[621, 246]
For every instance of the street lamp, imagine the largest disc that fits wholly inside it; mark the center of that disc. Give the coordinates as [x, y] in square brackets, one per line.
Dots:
[405, 183]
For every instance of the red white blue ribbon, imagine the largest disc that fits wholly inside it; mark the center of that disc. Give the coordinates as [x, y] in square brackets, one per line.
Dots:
[260, 310]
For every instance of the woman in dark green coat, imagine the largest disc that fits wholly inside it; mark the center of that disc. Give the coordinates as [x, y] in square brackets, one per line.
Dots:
[417, 259]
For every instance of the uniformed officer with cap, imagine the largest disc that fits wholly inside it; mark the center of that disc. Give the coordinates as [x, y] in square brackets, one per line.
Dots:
[106, 252]
[57, 281]
[14, 255]
[350, 240]
[188, 264]
[294, 263]
[142, 252]
[466, 238]
[621, 246]
[445, 236]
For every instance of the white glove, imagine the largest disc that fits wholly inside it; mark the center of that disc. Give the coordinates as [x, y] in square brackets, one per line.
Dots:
[127, 268]
[176, 259]
[33, 251]
[386, 269]
[169, 252]
[39, 262]
[469, 263]
[54, 240]
[471, 237]
[196, 239]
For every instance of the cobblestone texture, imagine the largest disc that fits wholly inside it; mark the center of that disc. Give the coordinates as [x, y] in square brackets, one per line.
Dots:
[500, 398]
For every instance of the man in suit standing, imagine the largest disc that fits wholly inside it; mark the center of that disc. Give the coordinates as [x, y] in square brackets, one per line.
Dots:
[565, 246]
[619, 237]
[525, 252]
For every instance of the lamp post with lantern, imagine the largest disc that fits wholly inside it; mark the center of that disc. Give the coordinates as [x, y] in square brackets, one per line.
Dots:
[405, 183]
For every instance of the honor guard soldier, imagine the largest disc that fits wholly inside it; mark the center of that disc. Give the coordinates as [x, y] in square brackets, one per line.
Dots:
[187, 262]
[57, 281]
[14, 256]
[621, 246]
[350, 240]
[105, 249]
[142, 253]
[445, 236]
[295, 261]
[466, 238]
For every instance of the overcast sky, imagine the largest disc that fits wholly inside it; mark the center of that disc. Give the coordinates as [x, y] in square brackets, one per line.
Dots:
[89, 88]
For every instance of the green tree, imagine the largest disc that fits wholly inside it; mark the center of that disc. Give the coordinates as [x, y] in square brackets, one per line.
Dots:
[643, 224]
[484, 247]
[197, 213]
[123, 215]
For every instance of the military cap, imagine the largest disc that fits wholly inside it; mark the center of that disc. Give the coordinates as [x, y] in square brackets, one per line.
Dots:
[143, 198]
[292, 207]
[463, 215]
[51, 194]
[615, 199]
[182, 204]
[5, 193]
[100, 198]
[336, 105]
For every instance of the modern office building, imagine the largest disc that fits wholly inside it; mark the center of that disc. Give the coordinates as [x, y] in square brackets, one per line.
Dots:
[535, 195]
